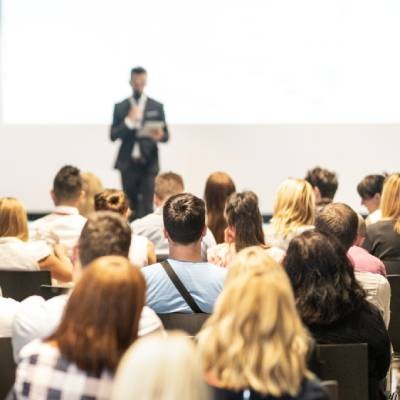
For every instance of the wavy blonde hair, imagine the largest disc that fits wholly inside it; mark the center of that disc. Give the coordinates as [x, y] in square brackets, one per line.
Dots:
[294, 206]
[13, 219]
[390, 201]
[255, 338]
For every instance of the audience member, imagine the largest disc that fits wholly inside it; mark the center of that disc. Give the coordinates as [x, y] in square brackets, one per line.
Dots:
[151, 226]
[382, 238]
[370, 191]
[105, 233]
[64, 224]
[254, 345]
[17, 253]
[163, 367]
[324, 183]
[294, 211]
[91, 185]
[244, 230]
[219, 187]
[141, 252]
[100, 321]
[332, 303]
[184, 222]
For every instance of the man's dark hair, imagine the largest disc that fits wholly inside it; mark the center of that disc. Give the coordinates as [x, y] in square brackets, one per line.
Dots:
[340, 221]
[67, 184]
[370, 185]
[326, 181]
[184, 218]
[138, 70]
[105, 233]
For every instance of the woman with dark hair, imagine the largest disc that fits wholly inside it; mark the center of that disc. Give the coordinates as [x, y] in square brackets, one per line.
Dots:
[100, 322]
[332, 304]
[244, 229]
[219, 187]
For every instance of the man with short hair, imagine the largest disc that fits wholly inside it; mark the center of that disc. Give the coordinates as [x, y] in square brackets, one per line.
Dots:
[341, 222]
[324, 183]
[370, 191]
[184, 227]
[64, 224]
[151, 226]
[105, 233]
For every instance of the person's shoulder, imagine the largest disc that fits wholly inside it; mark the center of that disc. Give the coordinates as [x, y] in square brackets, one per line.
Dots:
[154, 103]
[151, 270]
[312, 390]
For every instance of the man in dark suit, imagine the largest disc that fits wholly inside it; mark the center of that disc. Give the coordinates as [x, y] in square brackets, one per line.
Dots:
[139, 122]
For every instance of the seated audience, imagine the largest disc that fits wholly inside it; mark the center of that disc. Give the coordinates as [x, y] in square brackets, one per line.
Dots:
[219, 187]
[370, 191]
[244, 230]
[105, 233]
[185, 225]
[294, 210]
[163, 367]
[254, 345]
[324, 183]
[152, 227]
[382, 238]
[91, 185]
[332, 303]
[64, 224]
[141, 252]
[100, 321]
[17, 253]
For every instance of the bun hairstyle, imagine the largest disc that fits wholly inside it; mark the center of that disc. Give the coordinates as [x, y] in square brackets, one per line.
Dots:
[111, 200]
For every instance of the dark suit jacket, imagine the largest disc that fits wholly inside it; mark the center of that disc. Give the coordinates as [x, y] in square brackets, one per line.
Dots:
[153, 111]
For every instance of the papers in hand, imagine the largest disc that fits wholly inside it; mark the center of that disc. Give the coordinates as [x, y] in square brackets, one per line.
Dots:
[148, 127]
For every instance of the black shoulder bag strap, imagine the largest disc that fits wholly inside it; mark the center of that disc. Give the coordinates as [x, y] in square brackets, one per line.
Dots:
[180, 287]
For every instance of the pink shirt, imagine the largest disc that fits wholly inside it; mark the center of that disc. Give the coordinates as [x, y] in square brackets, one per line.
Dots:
[365, 262]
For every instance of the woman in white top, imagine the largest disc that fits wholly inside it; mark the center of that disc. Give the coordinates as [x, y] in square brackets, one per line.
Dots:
[17, 253]
[141, 252]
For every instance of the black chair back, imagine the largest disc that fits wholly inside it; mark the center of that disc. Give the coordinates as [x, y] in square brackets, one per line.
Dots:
[394, 325]
[48, 291]
[21, 284]
[348, 365]
[189, 323]
[7, 367]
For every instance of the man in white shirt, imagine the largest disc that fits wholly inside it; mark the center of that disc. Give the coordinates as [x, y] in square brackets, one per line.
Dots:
[64, 224]
[105, 233]
[152, 226]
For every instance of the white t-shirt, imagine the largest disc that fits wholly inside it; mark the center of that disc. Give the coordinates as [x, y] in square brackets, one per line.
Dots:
[8, 309]
[138, 251]
[16, 254]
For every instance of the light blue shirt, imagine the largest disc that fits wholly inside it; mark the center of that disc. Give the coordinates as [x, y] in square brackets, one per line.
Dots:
[202, 280]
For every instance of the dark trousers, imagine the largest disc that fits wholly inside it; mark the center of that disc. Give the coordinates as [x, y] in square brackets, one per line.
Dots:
[138, 184]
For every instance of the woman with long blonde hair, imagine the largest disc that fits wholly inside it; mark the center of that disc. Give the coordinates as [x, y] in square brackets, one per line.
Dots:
[294, 212]
[382, 238]
[254, 344]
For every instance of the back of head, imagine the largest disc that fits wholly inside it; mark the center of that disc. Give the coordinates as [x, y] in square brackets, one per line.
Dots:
[105, 233]
[370, 185]
[101, 318]
[91, 185]
[163, 367]
[339, 220]
[390, 202]
[326, 181]
[13, 219]
[219, 186]
[322, 278]
[167, 184]
[111, 200]
[184, 218]
[294, 205]
[243, 215]
[67, 185]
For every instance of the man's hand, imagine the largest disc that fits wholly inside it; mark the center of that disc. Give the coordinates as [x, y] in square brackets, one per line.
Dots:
[157, 134]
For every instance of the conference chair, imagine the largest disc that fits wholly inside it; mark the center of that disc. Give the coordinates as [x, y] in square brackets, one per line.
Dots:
[49, 291]
[21, 284]
[189, 323]
[348, 365]
[7, 367]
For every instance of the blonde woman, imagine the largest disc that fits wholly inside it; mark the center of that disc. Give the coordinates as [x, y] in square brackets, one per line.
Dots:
[254, 344]
[91, 185]
[382, 238]
[160, 368]
[17, 253]
[294, 212]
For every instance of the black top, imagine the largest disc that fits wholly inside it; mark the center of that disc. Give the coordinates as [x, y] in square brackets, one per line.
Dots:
[383, 242]
[310, 390]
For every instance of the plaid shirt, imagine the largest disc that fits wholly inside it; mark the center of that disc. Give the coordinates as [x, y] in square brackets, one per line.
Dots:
[45, 374]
